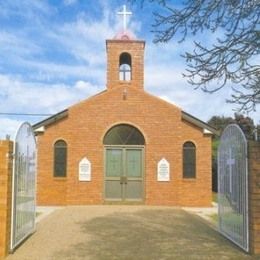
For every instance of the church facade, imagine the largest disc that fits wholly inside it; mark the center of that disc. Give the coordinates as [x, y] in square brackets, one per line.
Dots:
[124, 145]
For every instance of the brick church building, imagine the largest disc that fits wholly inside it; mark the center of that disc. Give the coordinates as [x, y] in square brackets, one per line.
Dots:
[123, 144]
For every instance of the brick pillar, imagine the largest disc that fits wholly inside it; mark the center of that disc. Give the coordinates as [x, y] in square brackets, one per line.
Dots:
[6, 150]
[254, 196]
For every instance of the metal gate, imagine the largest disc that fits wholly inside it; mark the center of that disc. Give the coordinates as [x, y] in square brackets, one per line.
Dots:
[23, 190]
[233, 186]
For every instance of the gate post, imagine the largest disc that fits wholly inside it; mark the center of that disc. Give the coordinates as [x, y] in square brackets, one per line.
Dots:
[6, 164]
[254, 196]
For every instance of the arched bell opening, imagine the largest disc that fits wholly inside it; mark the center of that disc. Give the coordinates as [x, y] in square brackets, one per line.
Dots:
[125, 67]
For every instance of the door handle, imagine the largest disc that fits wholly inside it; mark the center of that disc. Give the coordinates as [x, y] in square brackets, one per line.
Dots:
[123, 180]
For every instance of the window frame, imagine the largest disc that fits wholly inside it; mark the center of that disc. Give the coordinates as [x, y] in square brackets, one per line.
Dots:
[57, 146]
[191, 174]
[125, 74]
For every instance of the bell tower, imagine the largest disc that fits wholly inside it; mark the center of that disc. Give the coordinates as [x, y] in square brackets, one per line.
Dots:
[125, 59]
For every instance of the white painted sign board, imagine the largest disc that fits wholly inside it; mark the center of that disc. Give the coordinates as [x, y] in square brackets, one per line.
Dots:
[84, 170]
[163, 170]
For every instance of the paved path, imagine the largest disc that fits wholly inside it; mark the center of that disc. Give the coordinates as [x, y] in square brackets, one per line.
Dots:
[125, 232]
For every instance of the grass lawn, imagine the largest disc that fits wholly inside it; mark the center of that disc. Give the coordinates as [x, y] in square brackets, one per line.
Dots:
[214, 218]
[215, 197]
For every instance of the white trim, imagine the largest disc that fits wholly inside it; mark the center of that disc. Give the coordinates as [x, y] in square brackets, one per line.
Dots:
[206, 131]
[40, 129]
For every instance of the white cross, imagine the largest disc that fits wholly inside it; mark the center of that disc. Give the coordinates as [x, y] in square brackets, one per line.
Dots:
[124, 13]
[230, 162]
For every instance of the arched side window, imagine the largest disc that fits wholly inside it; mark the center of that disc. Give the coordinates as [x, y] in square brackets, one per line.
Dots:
[189, 160]
[60, 159]
[124, 135]
[125, 67]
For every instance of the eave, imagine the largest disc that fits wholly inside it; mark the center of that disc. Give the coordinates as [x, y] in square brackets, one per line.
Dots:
[197, 122]
[50, 120]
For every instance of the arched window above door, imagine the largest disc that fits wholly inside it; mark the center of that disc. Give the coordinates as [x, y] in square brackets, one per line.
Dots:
[125, 66]
[124, 135]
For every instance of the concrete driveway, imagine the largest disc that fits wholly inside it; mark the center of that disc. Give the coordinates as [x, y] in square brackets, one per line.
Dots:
[125, 232]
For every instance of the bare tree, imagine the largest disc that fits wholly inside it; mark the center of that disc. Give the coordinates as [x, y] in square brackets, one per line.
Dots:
[232, 60]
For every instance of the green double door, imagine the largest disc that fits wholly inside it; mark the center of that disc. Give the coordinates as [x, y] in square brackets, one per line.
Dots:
[124, 174]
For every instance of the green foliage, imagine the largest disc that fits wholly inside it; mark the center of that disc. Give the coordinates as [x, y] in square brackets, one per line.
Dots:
[245, 123]
[215, 144]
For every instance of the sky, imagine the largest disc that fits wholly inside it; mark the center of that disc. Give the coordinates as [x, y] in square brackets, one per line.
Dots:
[53, 55]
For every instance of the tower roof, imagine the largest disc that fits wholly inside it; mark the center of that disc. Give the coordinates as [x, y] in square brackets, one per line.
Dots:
[125, 35]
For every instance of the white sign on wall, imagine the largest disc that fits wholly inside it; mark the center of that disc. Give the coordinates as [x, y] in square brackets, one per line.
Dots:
[163, 170]
[84, 170]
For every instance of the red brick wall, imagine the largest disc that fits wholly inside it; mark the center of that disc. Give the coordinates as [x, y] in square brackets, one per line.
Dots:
[6, 149]
[254, 197]
[164, 133]
[136, 51]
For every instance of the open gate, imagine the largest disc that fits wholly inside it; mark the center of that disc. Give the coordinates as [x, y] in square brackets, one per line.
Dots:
[24, 183]
[233, 186]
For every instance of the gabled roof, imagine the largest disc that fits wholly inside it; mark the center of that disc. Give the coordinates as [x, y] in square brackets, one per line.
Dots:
[52, 119]
[207, 129]
[189, 118]
[197, 122]
[60, 115]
